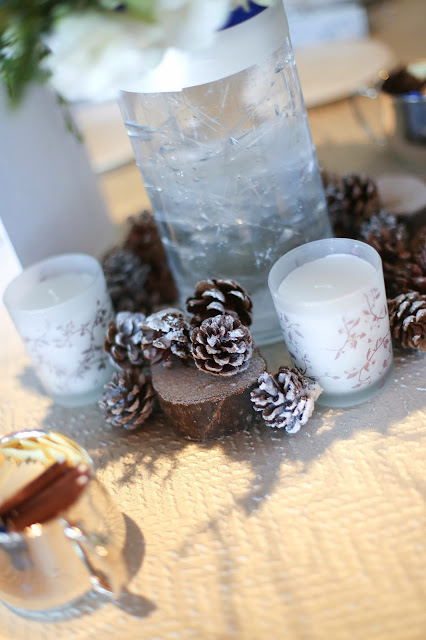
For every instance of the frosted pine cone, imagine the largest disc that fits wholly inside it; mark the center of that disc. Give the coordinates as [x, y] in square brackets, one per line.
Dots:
[403, 277]
[286, 400]
[388, 236]
[166, 334]
[407, 318]
[418, 249]
[350, 200]
[126, 276]
[143, 239]
[390, 239]
[128, 399]
[161, 286]
[218, 296]
[417, 266]
[222, 345]
[123, 340]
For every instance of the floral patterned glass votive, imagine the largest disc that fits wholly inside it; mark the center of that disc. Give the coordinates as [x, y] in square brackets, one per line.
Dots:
[61, 308]
[331, 302]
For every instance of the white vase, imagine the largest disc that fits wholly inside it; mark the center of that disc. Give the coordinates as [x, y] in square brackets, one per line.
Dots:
[50, 200]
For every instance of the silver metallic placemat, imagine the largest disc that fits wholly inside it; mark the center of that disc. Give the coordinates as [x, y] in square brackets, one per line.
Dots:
[314, 536]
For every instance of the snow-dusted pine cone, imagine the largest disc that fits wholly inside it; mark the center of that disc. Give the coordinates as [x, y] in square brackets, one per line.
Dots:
[222, 345]
[126, 276]
[123, 340]
[143, 239]
[351, 199]
[418, 248]
[166, 334]
[390, 239]
[218, 296]
[388, 236]
[128, 399]
[286, 400]
[404, 276]
[161, 287]
[407, 318]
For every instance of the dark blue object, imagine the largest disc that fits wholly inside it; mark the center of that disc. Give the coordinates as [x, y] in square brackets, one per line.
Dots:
[241, 15]
[411, 115]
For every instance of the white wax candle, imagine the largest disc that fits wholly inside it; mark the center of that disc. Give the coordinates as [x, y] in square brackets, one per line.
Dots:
[53, 291]
[333, 313]
[327, 279]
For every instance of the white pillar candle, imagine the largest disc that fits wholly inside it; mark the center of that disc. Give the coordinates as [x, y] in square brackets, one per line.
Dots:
[61, 309]
[331, 303]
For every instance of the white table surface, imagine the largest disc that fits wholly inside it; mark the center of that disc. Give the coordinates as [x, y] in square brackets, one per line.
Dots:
[260, 535]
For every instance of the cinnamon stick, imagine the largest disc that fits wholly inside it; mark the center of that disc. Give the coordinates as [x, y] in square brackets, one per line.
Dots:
[57, 496]
[32, 488]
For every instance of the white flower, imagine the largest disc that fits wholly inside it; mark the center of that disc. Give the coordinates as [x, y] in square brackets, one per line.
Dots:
[92, 53]
[95, 54]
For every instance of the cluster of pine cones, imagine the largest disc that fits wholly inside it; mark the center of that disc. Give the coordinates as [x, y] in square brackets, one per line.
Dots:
[216, 337]
[356, 212]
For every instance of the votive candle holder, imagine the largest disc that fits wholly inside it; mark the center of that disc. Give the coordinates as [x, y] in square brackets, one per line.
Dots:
[61, 308]
[331, 302]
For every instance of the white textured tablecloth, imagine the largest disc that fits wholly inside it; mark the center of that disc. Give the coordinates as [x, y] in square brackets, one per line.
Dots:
[318, 535]
[315, 536]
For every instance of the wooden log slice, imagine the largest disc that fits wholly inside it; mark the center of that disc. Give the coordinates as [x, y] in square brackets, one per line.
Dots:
[202, 406]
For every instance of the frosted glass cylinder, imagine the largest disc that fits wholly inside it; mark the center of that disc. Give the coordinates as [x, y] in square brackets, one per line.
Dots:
[221, 138]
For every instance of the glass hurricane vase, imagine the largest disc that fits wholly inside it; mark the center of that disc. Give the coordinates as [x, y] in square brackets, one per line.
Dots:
[222, 140]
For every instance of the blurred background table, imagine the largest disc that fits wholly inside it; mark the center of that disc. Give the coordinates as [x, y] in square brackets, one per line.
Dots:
[314, 536]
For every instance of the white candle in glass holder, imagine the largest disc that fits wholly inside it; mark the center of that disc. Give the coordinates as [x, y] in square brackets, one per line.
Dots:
[61, 308]
[333, 313]
[53, 291]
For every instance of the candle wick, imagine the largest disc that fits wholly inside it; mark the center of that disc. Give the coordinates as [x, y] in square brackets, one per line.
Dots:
[54, 295]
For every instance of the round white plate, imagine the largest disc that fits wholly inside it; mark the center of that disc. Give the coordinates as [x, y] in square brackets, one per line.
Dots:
[334, 70]
[401, 194]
